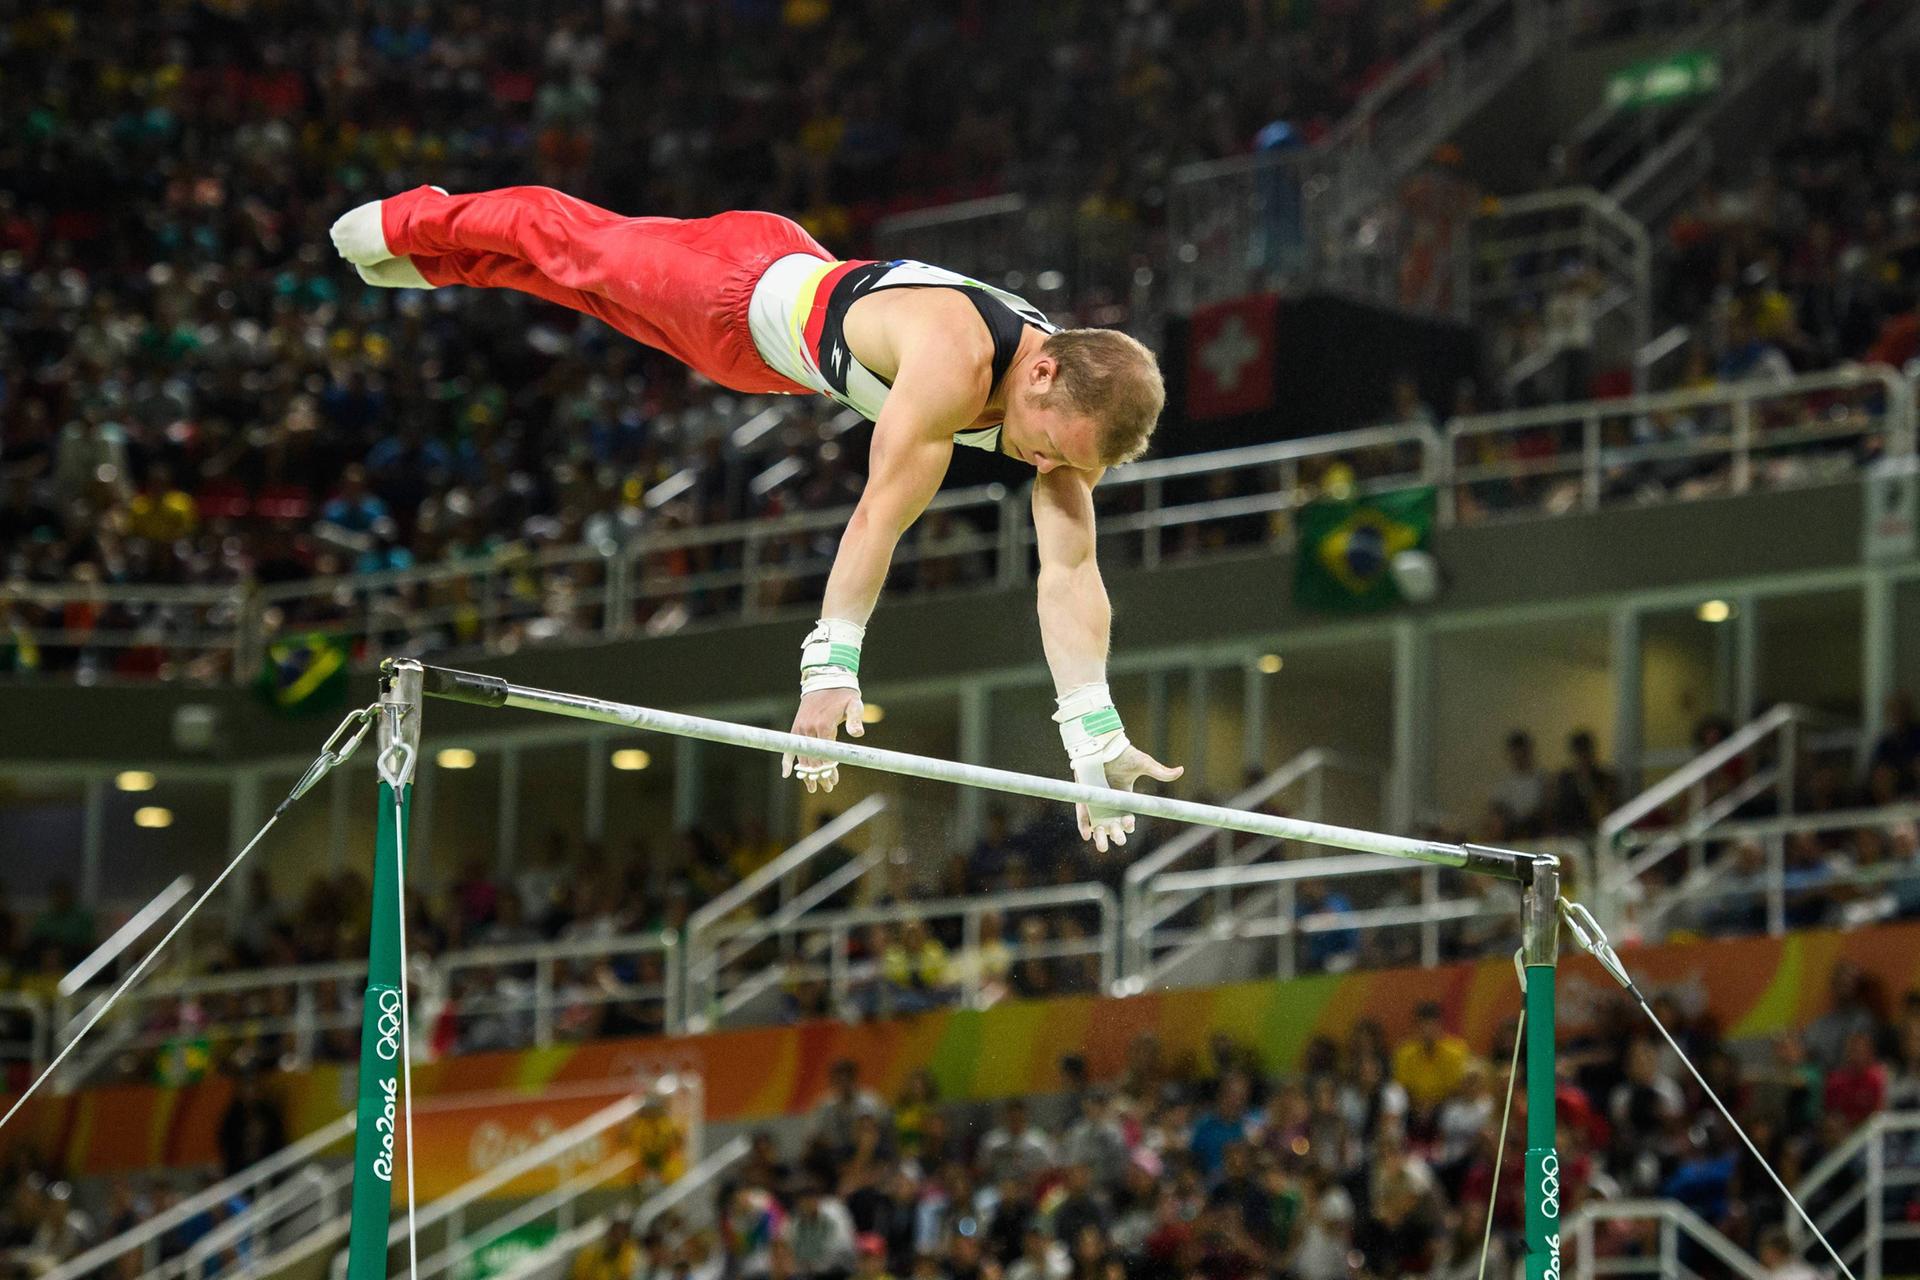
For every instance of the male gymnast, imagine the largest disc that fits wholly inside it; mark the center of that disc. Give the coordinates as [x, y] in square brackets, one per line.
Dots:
[932, 358]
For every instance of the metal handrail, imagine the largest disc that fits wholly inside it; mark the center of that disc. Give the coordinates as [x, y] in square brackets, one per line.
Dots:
[581, 1134]
[838, 926]
[543, 955]
[310, 1188]
[555, 1252]
[1699, 769]
[562, 1198]
[1709, 882]
[1310, 767]
[1619, 872]
[1721, 395]
[1139, 484]
[36, 1047]
[434, 973]
[146, 1236]
[1272, 913]
[704, 958]
[1675, 1220]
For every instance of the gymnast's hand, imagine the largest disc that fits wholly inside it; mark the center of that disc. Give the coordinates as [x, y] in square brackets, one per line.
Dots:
[1112, 826]
[821, 715]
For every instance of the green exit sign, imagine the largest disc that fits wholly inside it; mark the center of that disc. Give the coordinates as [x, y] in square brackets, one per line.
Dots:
[1668, 79]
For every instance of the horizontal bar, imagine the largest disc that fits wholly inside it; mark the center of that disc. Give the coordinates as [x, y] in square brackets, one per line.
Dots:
[492, 691]
[1248, 874]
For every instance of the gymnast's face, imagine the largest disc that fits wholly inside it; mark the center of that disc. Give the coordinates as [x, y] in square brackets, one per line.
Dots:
[1042, 430]
[1048, 437]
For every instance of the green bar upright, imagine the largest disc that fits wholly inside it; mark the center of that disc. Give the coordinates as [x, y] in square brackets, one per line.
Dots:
[376, 1137]
[1543, 1161]
[1540, 954]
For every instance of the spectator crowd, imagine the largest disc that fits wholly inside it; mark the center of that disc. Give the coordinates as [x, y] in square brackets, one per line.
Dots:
[193, 393]
[1374, 1159]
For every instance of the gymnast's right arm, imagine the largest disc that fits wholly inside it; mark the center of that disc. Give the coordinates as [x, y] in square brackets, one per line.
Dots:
[912, 445]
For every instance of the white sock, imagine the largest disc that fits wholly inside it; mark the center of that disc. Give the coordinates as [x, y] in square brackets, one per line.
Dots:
[359, 237]
[394, 273]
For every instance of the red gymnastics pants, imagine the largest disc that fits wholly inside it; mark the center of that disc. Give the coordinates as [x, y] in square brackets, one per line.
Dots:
[680, 285]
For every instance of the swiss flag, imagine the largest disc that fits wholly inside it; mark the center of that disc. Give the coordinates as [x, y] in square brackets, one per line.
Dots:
[1230, 358]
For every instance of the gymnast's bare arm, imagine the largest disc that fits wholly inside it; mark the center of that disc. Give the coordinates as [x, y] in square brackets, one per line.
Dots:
[1076, 619]
[942, 373]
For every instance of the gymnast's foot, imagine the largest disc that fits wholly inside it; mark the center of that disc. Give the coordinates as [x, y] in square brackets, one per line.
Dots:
[394, 273]
[361, 240]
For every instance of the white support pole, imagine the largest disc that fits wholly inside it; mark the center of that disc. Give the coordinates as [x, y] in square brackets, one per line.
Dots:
[1199, 701]
[1879, 615]
[1746, 659]
[1253, 728]
[93, 841]
[1412, 692]
[506, 833]
[243, 819]
[686, 784]
[595, 817]
[976, 723]
[1625, 642]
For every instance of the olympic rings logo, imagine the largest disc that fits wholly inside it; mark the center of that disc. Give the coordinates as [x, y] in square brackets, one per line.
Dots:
[1550, 1185]
[387, 1028]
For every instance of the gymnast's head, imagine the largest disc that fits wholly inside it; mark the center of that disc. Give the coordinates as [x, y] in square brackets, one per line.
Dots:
[1088, 400]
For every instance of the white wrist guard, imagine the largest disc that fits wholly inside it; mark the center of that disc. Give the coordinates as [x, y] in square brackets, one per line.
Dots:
[1091, 732]
[830, 656]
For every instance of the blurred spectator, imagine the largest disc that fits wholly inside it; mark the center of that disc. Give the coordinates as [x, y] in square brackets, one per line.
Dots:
[1013, 1149]
[64, 925]
[1857, 1087]
[846, 1103]
[1430, 1064]
[1520, 798]
[252, 1127]
[916, 969]
[614, 1256]
[821, 1234]
[1586, 791]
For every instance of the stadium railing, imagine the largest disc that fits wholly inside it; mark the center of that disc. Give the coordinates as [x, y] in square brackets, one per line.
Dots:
[1673, 446]
[1678, 1232]
[1147, 913]
[1724, 894]
[1732, 438]
[785, 890]
[29, 1020]
[1522, 247]
[552, 1260]
[223, 1008]
[1859, 1192]
[445, 1221]
[1262, 929]
[821, 949]
[144, 1243]
[540, 991]
[290, 1001]
[1645, 833]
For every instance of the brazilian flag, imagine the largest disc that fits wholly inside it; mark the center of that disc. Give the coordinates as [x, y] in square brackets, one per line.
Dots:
[1346, 548]
[304, 674]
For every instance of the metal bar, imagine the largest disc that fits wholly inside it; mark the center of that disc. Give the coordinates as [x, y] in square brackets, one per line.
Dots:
[126, 935]
[491, 691]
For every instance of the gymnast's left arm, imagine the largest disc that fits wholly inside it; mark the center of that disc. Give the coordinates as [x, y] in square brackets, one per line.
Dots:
[1075, 621]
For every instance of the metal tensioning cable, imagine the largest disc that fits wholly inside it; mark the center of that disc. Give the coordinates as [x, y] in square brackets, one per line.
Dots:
[1588, 933]
[339, 747]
